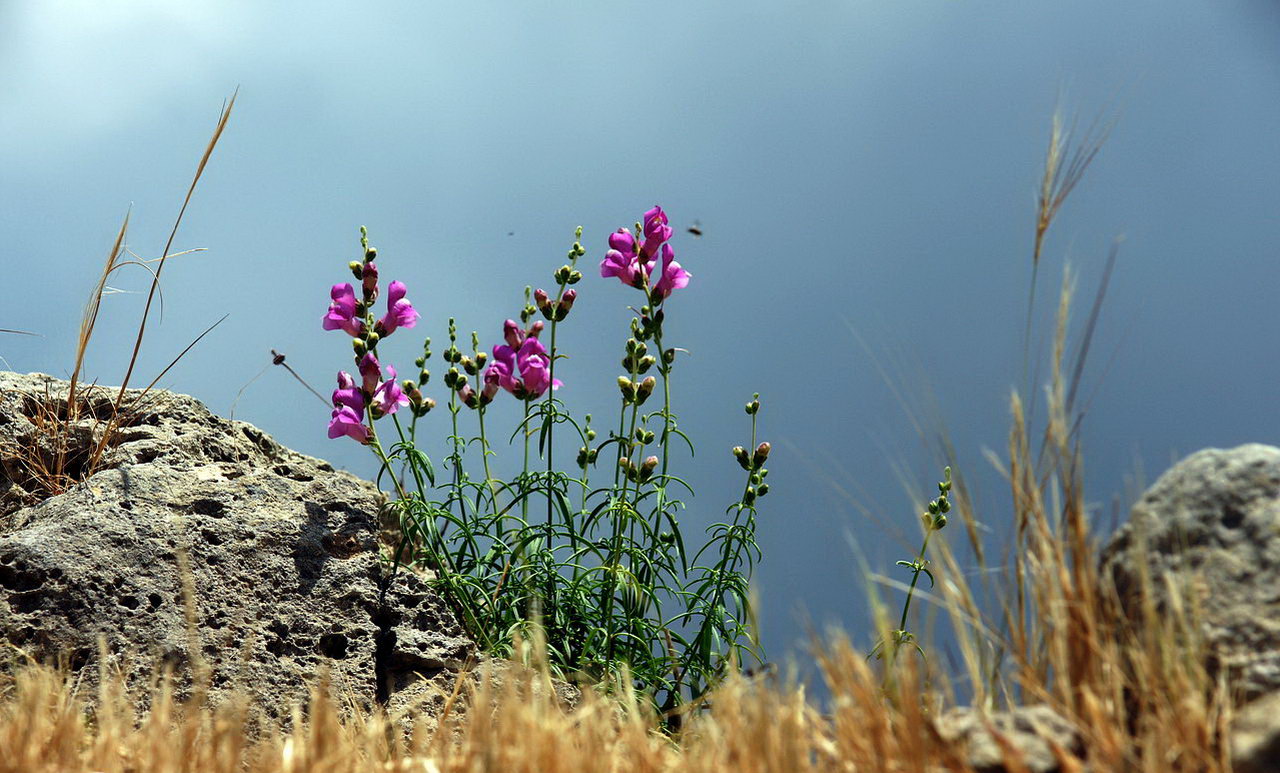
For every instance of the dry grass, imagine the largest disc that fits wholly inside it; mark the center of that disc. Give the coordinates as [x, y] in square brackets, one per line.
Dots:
[70, 449]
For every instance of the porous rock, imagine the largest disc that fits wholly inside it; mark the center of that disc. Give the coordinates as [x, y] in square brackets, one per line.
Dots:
[1209, 528]
[281, 550]
[1032, 738]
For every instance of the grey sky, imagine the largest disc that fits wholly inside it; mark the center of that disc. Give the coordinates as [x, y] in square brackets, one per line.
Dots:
[854, 164]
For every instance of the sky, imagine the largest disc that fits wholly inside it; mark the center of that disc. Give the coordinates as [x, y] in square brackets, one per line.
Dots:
[864, 173]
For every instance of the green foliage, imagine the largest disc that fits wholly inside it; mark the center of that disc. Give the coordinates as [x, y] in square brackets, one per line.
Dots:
[597, 561]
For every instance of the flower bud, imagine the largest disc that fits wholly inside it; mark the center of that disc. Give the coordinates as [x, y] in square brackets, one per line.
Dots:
[762, 489]
[646, 469]
[667, 538]
[566, 301]
[424, 376]
[370, 254]
[646, 362]
[669, 356]
[372, 339]
[591, 434]
[575, 277]
[628, 388]
[369, 282]
[749, 497]
[562, 274]
[410, 386]
[451, 377]
[628, 364]
[359, 347]
[645, 389]
[753, 407]
[584, 454]
[460, 381]
[740, 454]
[761, 454]
[420, 361]
[468, 365]
[356, 269]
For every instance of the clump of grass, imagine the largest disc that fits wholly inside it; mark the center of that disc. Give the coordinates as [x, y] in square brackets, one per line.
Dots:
[74, 435]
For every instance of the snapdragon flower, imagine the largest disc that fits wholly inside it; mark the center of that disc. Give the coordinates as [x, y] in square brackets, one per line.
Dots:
[388, 396]
[400, 312]
[521, 366]
[649, 263]
[348, 411]
[342, 311]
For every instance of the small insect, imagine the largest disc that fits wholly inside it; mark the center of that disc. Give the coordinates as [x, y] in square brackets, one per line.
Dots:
[696, 228]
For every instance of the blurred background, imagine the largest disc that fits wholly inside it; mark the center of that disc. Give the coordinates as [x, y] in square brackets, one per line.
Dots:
[863, 174]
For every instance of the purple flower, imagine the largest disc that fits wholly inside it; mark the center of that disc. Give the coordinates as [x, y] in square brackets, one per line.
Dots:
[370, 373]
[388, 397]
[400, 312]
[345, 421]
[673, 276]
[625, 266]
[523, 369]
[342, 311]
[650, 264]
[347, 394]
[656, 232]
[348, 411]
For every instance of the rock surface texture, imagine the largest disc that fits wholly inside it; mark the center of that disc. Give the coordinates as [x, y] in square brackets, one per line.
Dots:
[1211, 524]
[282, 550]
[1031, 738]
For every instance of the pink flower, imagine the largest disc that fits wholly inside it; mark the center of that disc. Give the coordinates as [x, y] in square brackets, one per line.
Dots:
[400, 312]
[388, 397]
[656, 232]
[624, 265]
[348, 411]
[370, 373]
[345, 421]
[522, 368]
[673, 276]
[650, 264]
[342, 311]
[347, 394]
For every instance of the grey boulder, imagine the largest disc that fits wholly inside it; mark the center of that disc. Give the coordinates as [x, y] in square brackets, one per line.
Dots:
[280, 553]
[1211, 525]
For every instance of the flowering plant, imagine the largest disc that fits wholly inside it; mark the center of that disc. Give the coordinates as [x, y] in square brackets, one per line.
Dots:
[607, 579]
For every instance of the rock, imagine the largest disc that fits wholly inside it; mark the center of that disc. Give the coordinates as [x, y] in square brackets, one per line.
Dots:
[1212, 523]
[283, 553]
[1255, 737]
[1036, 736]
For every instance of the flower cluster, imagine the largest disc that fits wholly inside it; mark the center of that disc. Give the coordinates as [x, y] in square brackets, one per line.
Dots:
[633, 261]
[522, 365]
[379, 396]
